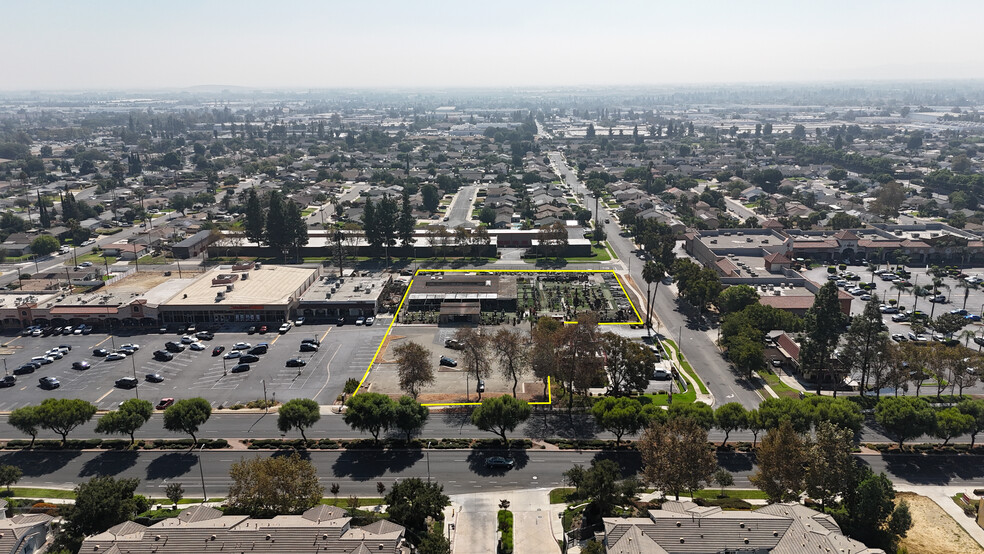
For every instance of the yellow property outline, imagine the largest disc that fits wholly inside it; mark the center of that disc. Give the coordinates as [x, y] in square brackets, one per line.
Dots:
[475, 270]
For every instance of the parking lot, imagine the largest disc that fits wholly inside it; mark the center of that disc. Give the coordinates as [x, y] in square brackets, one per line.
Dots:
[919, 276]
[344, 353]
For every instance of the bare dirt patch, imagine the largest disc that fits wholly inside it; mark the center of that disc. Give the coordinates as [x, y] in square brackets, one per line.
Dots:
[933, 530]
[140, 282]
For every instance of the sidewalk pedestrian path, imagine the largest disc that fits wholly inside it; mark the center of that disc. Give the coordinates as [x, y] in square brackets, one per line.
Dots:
[536, 526]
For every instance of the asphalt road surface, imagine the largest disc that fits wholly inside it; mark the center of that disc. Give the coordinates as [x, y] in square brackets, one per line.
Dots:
[460, 211]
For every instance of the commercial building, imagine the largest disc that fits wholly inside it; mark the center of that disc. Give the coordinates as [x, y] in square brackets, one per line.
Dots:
[204, 529]
[193, 245]
[351, 297]
[456, 295]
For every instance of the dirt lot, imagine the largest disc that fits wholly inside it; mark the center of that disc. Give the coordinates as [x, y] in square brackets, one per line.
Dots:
[933, 530]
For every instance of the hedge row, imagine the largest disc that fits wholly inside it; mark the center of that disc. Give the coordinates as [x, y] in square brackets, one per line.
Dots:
[113, 444]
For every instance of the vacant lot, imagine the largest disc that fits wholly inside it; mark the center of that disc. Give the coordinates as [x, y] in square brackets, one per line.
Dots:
[933, 530]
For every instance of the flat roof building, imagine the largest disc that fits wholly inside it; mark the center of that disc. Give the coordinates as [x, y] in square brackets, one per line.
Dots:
[349, 297]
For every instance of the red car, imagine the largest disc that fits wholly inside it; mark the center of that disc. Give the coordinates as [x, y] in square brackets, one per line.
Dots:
[263, 329]
[164, 403]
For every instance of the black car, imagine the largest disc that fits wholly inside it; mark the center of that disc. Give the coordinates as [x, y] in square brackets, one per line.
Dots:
[25, 369]
[249, 358]
[498, 462]
[154, 378]
[127, 382]
[341, 321]
[172, 346]
[259, 349]
[308, 347]
[296, 362]
[311, 340]
[450, 362]
[8, 381]
[163, 356]
[218, 350]
[81, 366]
[48, 383]
[101, 352]
[239, 368]
[251, 330]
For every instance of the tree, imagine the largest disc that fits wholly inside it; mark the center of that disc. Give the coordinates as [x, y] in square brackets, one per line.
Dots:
[736, 298]
[602, 486]
[698, 412]
[434, 542]
[652, 272]
[296, 228]
[888, 200]
[628, 364]
[44, 245]
[619, 416]
[100, 503]
[974, 408]
[831, 470]
[26, 420]
[947, 324]
[413, 502]
[951, 422]
[841, 412]
[841, 220]
[262, 487]
[277, 232]
[126, 420]
[578, 361]
[474, 352]
[730, 417]
[9, 475]
[180, 202]
[543, 351]
[413, 367]
[823, 325]
[406, 223]
[864, 342]
[187, 416]
[431, 197]
[174, 492]
[487, 215]
[676, 457]
[370, 411]
[870, 509]
[512, 349]
[747, 354]
[781, 461]
[298, 413]
[500, 414]
[409, 416]
[905, 417]
[723, 478]
[371, 223]
[62, 415]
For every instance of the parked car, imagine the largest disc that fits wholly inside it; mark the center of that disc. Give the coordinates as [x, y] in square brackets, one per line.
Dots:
[939, 298]
[65, 347]
[308, 347]
[43, 360]
[499, 462]
[296, 362]
[8, 381]
[900, 317]
[299, 321]
[898, 337]
[48, 383]
[163, 356]
[450, 362]
[360, 321]
[114, 356]
[127, 382]
[196, 346]
[251, 330]
[130, 346]
[240, 368]
[888, 309]
[370, 320]
[187, 339]
[154, 378]
[259, 349]
[660, 374]
[164, 403]
[263, 329]
[232, 354]
[249, 358]
[172, 346]
[453, 344]
[81, 365]
[242, 346]
[218, 350]
[24, 369]
[284, 328]
[204, 335]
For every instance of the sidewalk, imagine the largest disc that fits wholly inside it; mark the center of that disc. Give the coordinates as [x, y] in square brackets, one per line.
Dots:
[536, 526]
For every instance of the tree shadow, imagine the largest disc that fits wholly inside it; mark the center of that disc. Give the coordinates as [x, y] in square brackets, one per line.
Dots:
[360, 465]
[560, 425]
[736, 462]
[109, 463]
[629, 461]
[919, 469]
[171, 465]
[477, 456]
[35, 463]
[457, 416]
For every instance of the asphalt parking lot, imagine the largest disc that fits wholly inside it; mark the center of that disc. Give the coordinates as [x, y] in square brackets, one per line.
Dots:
[344, 353]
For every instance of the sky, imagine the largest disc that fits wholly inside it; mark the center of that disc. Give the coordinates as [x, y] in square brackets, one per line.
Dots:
[145, 44]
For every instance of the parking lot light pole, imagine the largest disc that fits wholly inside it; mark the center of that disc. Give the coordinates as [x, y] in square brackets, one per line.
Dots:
[133, 362]
[5, 366]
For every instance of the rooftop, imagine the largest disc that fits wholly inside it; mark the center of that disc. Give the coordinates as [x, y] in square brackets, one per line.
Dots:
[349, 289]
[267, 285]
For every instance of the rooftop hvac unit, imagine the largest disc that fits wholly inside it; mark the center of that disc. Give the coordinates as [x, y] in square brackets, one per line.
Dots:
[229, 288]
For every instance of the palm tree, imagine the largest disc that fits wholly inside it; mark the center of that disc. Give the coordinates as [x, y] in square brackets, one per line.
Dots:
[966, 286]
[937, 285]
[651, 272]
[901, 286]
[872, 267]
[967, 334]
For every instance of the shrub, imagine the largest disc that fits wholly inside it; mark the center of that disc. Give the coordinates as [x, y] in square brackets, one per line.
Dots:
[505, 518]
[350, 386]
[44, 508]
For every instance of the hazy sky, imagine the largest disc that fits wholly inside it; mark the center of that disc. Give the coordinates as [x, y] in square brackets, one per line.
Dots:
[420, 43]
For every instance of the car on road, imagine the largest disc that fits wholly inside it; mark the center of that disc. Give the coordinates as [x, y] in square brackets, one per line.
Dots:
[240, 368]
[261, 348]
[163, 356]
[499, 462]
[88, 242]
[218, 350]
[450, 362]
[127, 382]
[308, 347]
[8, 381]
[154, 378]
[114, 356]
[284, 328]
[24, 369]
[242, 346]
[370, 320]
[196, 346]
[164, 403]
[296, 362]
[249, 358]
[81, 365]
[360, 321]
[232, 354]
[48, 383]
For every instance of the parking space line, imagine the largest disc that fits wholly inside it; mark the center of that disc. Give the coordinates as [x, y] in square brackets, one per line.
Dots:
[326, 334]
[102, 341]
[275, 339]
[12, 340]
[110, 391]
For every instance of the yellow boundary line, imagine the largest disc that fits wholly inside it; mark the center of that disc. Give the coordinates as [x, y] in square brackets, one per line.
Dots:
[549, 400]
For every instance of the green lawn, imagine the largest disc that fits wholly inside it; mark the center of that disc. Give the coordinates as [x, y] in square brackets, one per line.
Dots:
[686, 366]
[688, 397]
[344, 502]
[780, 388]
[307, 211]
[559, 496]
[94, 258]
[28, 492]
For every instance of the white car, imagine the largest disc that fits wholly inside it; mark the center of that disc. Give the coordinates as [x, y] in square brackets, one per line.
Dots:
[232, 354]
[299, 321]
[242, 346]
[88, 243]
[44, 360]
[360, 321]
[54, 353]
[197, 346]
[116, 356]
[85, 264]
[130, 346]
[187, 339]
[284, 328]
[370, 320]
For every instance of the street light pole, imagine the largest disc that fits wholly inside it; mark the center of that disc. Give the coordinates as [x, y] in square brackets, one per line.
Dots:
[133, 362]
[201, 471]
[428, 462]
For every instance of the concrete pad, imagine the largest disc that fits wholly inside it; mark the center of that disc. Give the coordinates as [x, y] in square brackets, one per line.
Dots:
[475, 524]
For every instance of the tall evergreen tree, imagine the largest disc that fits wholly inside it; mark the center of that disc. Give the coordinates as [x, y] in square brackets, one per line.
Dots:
[278, 234]
[407, 222]
[369, 223]
[255, 219]
[70, 208]
[296, 228]
[865, 342]
[824, 325]
[386, 223]
[43, 217]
